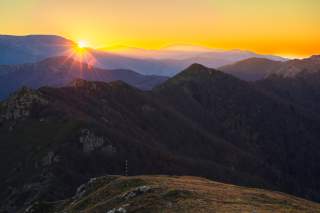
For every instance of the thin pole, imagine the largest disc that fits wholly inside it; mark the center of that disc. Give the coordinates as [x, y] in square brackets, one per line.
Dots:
[126, 168]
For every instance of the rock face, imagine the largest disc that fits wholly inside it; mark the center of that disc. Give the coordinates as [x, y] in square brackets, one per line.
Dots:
[90, 141]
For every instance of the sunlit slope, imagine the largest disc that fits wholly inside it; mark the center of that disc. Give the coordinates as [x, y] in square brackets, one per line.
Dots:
[174, 194]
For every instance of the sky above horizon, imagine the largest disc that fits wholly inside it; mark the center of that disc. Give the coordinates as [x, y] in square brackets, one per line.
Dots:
[286, 27]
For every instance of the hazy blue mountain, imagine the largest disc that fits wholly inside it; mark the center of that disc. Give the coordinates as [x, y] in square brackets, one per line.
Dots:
[58, 71]
[169, 61]
[32, 48]
[165, 62]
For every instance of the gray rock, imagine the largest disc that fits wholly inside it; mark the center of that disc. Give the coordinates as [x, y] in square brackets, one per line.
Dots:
[90, 141]
[119, 210]
[135, 192]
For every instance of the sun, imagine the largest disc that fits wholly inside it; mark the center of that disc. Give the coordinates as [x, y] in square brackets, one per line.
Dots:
[81, 47]
[82, 54]
[82, 44]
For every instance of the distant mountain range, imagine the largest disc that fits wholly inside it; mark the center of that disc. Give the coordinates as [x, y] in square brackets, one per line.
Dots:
[201, 122]
[165, 62]
[59, 71]
[185, 52]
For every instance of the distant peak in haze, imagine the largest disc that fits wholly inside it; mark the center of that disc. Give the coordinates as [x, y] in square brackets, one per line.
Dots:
[35, 37]
[167, 61]
[186, 47]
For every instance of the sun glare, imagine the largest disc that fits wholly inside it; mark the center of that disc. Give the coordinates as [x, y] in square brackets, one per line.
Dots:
[82, 54]
[82, 44]
[81, 47]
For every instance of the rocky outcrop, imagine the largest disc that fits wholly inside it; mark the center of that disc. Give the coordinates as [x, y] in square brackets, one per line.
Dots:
[19, 105]
[49, 159]
[90, 141]
[84, 188]
[136, 192]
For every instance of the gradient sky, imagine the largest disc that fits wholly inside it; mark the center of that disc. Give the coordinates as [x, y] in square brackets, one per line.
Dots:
[284, 27]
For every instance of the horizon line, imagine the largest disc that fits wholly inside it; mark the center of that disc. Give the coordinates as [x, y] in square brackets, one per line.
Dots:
[210, 49]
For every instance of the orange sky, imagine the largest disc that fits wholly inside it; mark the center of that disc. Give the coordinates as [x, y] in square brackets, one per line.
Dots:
[284, 27]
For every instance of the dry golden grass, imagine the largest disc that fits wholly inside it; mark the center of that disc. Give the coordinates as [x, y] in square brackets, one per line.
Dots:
[183, 194]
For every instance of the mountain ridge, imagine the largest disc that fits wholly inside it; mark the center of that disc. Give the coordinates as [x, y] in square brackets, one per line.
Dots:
[167, 63]
[58, 71]
[253, 69]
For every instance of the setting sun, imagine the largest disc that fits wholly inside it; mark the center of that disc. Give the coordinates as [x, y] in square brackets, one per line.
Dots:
[82, 44]
[81, 53]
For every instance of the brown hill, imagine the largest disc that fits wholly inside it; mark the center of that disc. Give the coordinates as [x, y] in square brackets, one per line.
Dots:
[173, 194]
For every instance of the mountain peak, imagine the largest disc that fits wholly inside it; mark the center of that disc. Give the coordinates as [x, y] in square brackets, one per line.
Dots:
[197, 67]
[197, 70]
[198, 74]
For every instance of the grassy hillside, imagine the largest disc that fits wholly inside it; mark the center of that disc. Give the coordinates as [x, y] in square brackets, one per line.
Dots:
[173, 194]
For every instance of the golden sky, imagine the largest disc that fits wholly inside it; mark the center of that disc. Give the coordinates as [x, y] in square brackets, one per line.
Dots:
[284, 27]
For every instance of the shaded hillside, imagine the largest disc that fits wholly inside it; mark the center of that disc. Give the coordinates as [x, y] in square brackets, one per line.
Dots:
[60, 137]
[296, 66]
[259, 68]
[173, 194]
[202, 122]
[251, 69]
[302, 90]
[269, 128]
[297, 82]
[60, 71]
